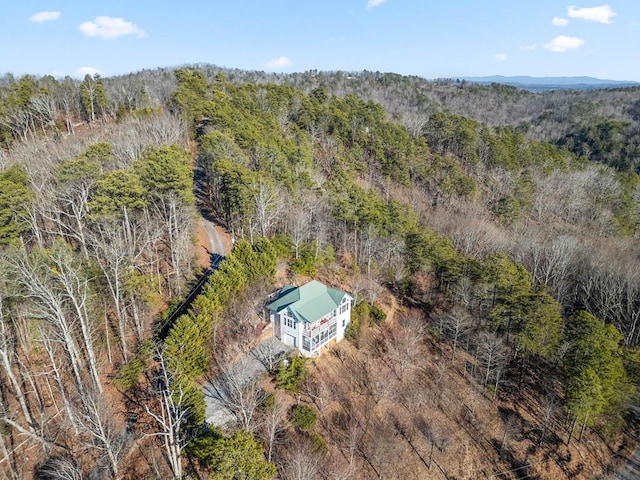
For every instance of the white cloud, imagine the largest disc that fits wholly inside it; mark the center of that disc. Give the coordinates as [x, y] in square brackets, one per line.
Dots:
[374, 3]
[83, 71]
[559, 22]
[602, 14]
[528, 48]
[110, 28]
[500, 57]
[44, 17]
[563, 43]
[278, 63]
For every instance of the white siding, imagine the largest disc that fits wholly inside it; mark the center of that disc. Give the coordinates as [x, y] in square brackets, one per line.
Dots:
[289, 326]
[344, 316]
[291, 332]
[275, 321]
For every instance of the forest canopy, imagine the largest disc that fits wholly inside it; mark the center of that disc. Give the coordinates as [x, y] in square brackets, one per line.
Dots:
[488, 244]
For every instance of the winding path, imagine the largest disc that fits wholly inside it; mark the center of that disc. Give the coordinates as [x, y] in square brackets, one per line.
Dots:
[217, 248]
[217, 245]
[216, 242]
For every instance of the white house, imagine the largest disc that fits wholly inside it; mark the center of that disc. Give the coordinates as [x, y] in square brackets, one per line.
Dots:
[310, 316]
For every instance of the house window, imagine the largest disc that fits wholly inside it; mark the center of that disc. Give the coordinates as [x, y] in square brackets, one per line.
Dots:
[305, 343]
[344, 307]
[288, 321]
[332, 331]
[344, 322]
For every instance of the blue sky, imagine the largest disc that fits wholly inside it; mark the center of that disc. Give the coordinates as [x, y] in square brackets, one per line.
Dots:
[429, 38]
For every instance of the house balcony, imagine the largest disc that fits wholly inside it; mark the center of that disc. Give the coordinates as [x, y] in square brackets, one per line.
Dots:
[319, 326]
[319, 334]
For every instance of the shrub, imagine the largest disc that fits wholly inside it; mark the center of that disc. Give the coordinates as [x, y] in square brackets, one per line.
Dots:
[291, 374]
[363, 313]
[129, 372]
[376, 315]
[303, 417]
[306, 263]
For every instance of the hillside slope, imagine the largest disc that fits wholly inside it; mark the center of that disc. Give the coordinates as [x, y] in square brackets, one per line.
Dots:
[493, 262]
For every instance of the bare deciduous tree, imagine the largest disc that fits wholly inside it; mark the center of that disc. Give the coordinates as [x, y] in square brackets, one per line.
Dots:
[404, 343]
[98, 422]
[457, 324]
[510, 427]
[168, 413]
[272, 423]
[238, 389]
[60, 467]
[75, 290]
[8, 358]
[300, 461]
[268, 353]
[47, 302]
[113, 256]
[267, 206]
[549, 410]
[491, 352]
[300, 226]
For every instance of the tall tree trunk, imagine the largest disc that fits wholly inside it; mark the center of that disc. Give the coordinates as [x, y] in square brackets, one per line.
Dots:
[6, 351]
[57, 375]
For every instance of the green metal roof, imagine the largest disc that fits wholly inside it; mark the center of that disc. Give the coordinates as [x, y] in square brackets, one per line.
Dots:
[308, 303]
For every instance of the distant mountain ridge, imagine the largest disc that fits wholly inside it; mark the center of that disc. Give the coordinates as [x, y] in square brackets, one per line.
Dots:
[552, 83]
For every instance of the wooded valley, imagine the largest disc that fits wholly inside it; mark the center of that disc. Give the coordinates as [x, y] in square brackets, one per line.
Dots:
[488, 235]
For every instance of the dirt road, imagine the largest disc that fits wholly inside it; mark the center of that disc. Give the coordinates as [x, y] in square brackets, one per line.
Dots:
[214, 235]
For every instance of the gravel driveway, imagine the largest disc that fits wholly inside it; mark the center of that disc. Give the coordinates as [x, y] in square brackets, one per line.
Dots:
[247, 369]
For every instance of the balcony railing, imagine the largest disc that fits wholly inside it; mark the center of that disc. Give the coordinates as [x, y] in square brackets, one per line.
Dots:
[319, 326]
[319, 335]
